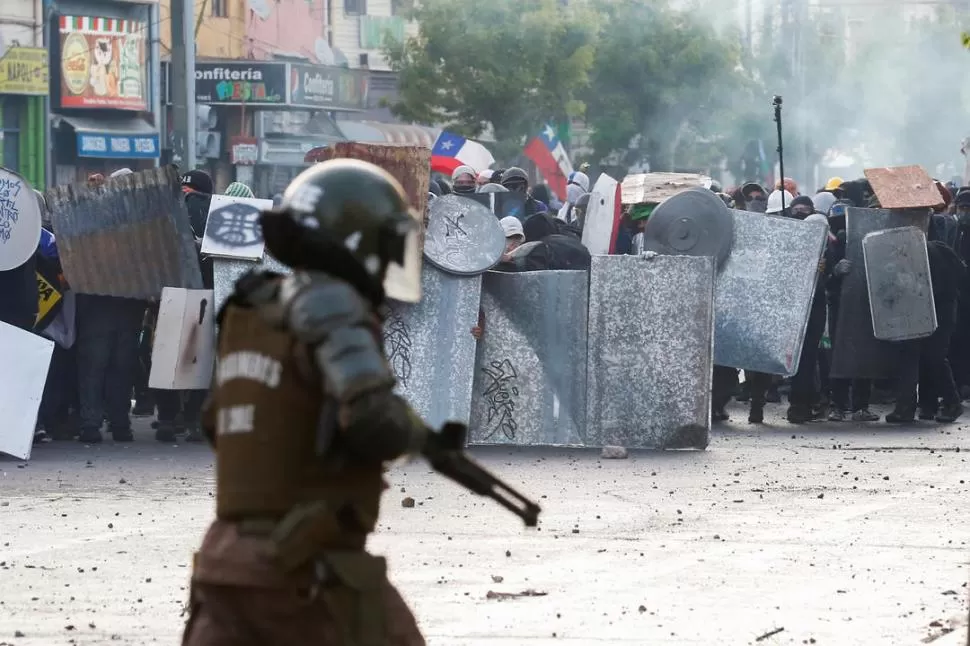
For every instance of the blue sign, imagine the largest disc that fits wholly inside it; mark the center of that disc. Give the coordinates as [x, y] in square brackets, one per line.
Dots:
[96, 144]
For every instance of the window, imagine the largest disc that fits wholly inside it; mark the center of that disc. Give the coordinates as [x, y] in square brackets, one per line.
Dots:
[220, 8]
[355, 7]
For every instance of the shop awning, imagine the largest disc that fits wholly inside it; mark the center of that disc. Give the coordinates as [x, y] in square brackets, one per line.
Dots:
[113, 138]
[375, 132]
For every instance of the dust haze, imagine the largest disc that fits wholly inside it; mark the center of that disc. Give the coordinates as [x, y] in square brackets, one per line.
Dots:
[865, 82]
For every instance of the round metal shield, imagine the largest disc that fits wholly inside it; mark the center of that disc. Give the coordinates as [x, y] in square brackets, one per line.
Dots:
[463, 236]
[694, 222]
[19, 220]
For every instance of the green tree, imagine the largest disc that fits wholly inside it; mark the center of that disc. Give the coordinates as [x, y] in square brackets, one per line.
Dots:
[504, 65]
[659, 87]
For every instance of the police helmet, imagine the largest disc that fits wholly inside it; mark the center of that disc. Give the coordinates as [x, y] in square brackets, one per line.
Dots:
[345, 217]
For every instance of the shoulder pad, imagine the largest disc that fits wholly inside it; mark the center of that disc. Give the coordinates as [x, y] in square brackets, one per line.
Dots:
[314, 305]
[254, 288]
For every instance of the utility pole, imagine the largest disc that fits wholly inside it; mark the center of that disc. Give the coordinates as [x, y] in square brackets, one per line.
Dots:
[182, 83]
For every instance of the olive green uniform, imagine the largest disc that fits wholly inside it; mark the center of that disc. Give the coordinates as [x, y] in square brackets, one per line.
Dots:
[284, 563]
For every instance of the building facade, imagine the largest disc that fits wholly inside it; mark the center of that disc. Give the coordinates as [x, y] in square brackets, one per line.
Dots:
[23, 90]
[104, 71]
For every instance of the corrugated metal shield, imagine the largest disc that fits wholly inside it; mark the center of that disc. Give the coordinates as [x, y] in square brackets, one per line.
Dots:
[530, 372]
[129, 238]
[651, 329]
[900, 289]
[431, 348]
[764, 292]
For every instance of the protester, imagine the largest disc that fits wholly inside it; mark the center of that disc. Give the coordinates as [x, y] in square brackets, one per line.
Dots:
[514, 235]
[777, 204]
[238, 189]
[463, 180]
[516, 181]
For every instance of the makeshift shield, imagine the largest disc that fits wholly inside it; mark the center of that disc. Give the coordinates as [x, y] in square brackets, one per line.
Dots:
[183, 352]
[857, 353]
[232, 227]
[651, 326]
[226, 272]
[463, 237]
[530, 372]
[430, 347]
[602, 216]
[904, 187]
[129, 238]
[20, 220]
[23, 373]
[655, 188]
[900, 289]
[695, 222]
[764, 292]
[411, 166]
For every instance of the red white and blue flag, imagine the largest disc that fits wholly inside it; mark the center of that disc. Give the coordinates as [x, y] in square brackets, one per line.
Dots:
[550, 157]
[451, 151]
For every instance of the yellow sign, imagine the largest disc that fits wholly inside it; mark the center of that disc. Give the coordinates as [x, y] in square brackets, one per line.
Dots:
[23, 70]
[48, 298]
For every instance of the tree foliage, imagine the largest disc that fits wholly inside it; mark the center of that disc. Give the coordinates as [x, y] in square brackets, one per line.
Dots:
[504, 65]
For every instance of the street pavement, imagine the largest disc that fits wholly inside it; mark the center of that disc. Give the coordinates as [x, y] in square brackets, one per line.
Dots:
[823, 534]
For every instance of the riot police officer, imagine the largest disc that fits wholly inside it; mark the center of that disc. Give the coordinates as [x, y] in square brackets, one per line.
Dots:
[303, 418]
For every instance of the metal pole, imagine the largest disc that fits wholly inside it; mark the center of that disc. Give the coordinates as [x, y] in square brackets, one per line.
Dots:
[781, 156]
[155, 33]
[182, 79]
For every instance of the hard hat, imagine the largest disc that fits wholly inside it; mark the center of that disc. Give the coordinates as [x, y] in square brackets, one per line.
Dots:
[774, 201]
[833, 183]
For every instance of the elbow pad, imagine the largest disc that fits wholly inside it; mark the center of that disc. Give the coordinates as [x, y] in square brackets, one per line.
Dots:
[353, 364]
[382, 426]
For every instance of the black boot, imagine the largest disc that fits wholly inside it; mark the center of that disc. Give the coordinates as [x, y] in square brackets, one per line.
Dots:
[121, 433]
[90, 435]
[166, 432]
[950, 413]
[756, 415]
[799, 415]
[899, 416]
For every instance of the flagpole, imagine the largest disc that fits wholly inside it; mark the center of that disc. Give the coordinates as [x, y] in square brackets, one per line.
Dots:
[781, 157]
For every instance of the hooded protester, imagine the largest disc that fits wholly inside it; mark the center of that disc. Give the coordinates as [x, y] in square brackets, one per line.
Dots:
[823, 201]
[580, 209]
[754, 196]
[542, 193]
[464, 180]
[514, 234]
[579, 179]
[516, 181]
[573, 193]
[960, 348]
[801, 207]
[484, 177]
[924, 361]
[197, 187]
[238, 189]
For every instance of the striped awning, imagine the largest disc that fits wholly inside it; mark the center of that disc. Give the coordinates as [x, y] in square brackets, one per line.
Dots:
[92, 25]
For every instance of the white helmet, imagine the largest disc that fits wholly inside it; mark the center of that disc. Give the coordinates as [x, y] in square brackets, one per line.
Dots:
[774, 201]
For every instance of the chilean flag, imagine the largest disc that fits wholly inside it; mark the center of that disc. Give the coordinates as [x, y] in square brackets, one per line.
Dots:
[549, 156]
[451, 151]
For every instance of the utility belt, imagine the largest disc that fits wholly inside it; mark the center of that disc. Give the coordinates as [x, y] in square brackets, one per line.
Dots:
[303, 554]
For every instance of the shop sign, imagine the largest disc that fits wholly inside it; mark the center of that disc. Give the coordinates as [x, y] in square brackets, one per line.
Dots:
[23, 70]
[236, 83]
[103, 63]
[115, 146]
[243, 151]
[329, 88]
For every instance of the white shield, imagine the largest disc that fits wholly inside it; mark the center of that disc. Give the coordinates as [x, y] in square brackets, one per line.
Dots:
[184, 347]
[19, 220]
[602, 216]
[23, 373]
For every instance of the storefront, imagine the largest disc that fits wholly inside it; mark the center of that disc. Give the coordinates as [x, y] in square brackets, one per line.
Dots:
[262, 117]
[101, 103]
[23, 86]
